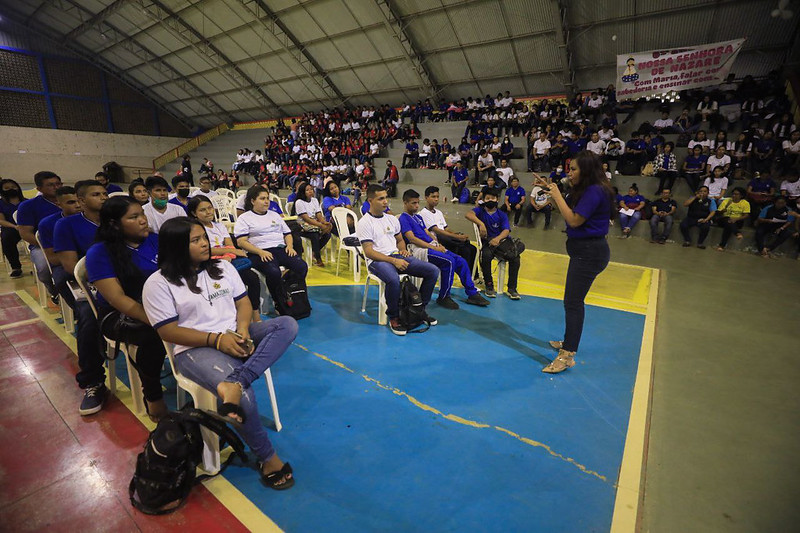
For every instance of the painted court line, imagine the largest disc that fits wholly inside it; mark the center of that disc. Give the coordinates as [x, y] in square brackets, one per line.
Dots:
[455, 418]
[20, 323]
[229, 496]
[630, 487]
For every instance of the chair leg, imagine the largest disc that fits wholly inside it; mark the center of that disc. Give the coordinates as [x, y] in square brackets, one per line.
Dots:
[501, 276]
[273, 400]
[338, 255]
[364, 299]
[68, 317]
[205, 400]
[136, 383]
[112, 373]
[356, 261]
[382, 304]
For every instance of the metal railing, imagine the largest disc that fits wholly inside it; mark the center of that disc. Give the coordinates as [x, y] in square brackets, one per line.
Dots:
[188, 146]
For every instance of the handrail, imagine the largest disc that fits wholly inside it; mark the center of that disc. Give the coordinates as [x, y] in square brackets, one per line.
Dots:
[189, 145]
[793, 94]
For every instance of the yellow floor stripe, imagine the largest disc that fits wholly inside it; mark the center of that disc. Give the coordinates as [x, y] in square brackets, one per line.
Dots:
[455, 418]
[229, 496]
[20, 323]
[631, 476]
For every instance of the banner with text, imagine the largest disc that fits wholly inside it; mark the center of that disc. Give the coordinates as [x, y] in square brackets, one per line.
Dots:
[659, 71]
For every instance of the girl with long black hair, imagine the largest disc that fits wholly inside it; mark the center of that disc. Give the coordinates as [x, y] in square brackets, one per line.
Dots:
[586, 212]
[199, 305]
[10, 198]
[118, 264]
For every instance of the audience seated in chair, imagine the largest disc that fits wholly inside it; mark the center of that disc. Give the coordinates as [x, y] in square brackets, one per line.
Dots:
[700, 211]
[663, 210]
[436, 224]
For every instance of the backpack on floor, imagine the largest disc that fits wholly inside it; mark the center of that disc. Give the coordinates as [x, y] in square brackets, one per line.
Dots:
[464, 198]
[474, 196]
[412, 310]
[292, 297]
[165, 470]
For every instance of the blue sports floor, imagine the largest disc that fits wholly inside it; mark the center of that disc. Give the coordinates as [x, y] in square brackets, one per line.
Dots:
[455, 429]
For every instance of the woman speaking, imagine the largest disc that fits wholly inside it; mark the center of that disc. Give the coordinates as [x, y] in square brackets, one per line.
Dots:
[586, 211]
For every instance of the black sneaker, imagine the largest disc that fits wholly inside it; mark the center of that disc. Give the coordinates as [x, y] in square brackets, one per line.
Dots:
[447, 303]
[16, 274]
[490, 292]
[55, 299]
[513, 294]
[429, 319]
[93, 399]
[477, 299]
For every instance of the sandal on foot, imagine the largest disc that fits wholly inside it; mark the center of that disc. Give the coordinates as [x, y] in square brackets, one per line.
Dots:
[273, 479]
[226, 409]
[563, 361]
[556, 345]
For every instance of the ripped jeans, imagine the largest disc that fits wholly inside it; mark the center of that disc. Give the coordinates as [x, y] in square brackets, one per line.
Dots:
[209, 367]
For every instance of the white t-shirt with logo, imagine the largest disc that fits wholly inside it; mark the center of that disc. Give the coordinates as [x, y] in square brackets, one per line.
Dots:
[212, 310]
[217, 234]
[715, 189]
[210, 194]
[540, 146]
[539, 197]
[380, 231]
[432, 219]
[597, 147]
[262, 231]
[505, 174]
[714, 162]
[792, 189]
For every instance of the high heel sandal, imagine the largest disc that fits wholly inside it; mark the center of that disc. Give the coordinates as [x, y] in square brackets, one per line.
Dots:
[563, 361]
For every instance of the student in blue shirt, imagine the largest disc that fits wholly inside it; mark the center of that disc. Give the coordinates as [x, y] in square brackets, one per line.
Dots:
[125, 255]
[68, 202]
[635, 202]
[333, 199]
[514, 200]
[586, 213]
[693, 167]
[412, 226]
[30, 213]
[411, 155]
[182, 187]
[493, 226]
[460, 177]
[102, 179]
[73, 236]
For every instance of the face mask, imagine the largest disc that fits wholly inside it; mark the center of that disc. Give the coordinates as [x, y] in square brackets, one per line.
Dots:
[160, 204]
[183, 193]
[10, 193]
[490, 205]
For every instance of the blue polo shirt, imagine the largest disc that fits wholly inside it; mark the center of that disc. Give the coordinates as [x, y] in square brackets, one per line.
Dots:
[595, 207]
[113, 188]
[274, 206]
[412, 147]
[47, 229]
[695, 163]
[329, 201]
[99, 266]
[495, 222]
[635, 145]
[415, 225]
[365, 208]
[515, 195]
[460, 175]
[74, 234]
[176, 202]
[7, 209]
[761, 185]
[31, 212]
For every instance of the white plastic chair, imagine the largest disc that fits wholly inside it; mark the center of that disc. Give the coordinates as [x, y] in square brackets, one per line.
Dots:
[340, 215]
[193, 190]
[501, 265]
[117, 193]
[221, 207]
[382, 318]
[226, 192]
[241, 192]
[82, 277]
[66, 311]
[206, 400]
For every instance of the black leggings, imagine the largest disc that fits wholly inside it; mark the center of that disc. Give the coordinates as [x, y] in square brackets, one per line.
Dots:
[10, 237]
[272, 269]
[253, 284]
[150, 355]
[318, 241]
[587, 259]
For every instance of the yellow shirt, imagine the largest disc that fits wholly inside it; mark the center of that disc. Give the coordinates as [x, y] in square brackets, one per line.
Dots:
[733, 209]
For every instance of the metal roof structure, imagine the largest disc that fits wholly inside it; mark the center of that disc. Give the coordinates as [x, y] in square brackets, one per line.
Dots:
[212, 61]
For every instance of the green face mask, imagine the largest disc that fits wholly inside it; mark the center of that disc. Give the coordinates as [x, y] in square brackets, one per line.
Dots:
[159, 203]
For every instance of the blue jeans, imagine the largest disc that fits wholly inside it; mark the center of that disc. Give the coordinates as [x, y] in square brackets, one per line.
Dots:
[667, 220]
[209, 367]
[587, 259]
[629, 221]
[449, 265]
[87, 333]
[390, 276]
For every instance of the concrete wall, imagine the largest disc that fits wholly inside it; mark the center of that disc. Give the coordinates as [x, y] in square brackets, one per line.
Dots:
[75, 155]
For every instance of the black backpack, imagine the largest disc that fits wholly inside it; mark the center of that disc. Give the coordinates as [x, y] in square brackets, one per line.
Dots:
[292, 297]
[165, 470]
[509, 249]
[412, 310]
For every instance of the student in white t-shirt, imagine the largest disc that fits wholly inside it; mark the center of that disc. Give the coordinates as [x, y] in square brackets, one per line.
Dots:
[158, 210]
[194, 302]
[387, 257]
[717, 184]
[312, 222]
[504, 175]
[267, 239]
[205, 188]
[222, 248]
[436, 224]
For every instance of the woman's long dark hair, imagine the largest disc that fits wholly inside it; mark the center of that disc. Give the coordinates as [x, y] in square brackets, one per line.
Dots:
[173, 254]
[328, 189]
[590, 167]
[252, 194]
[16, 186]
[110, 233]
[301, 191]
